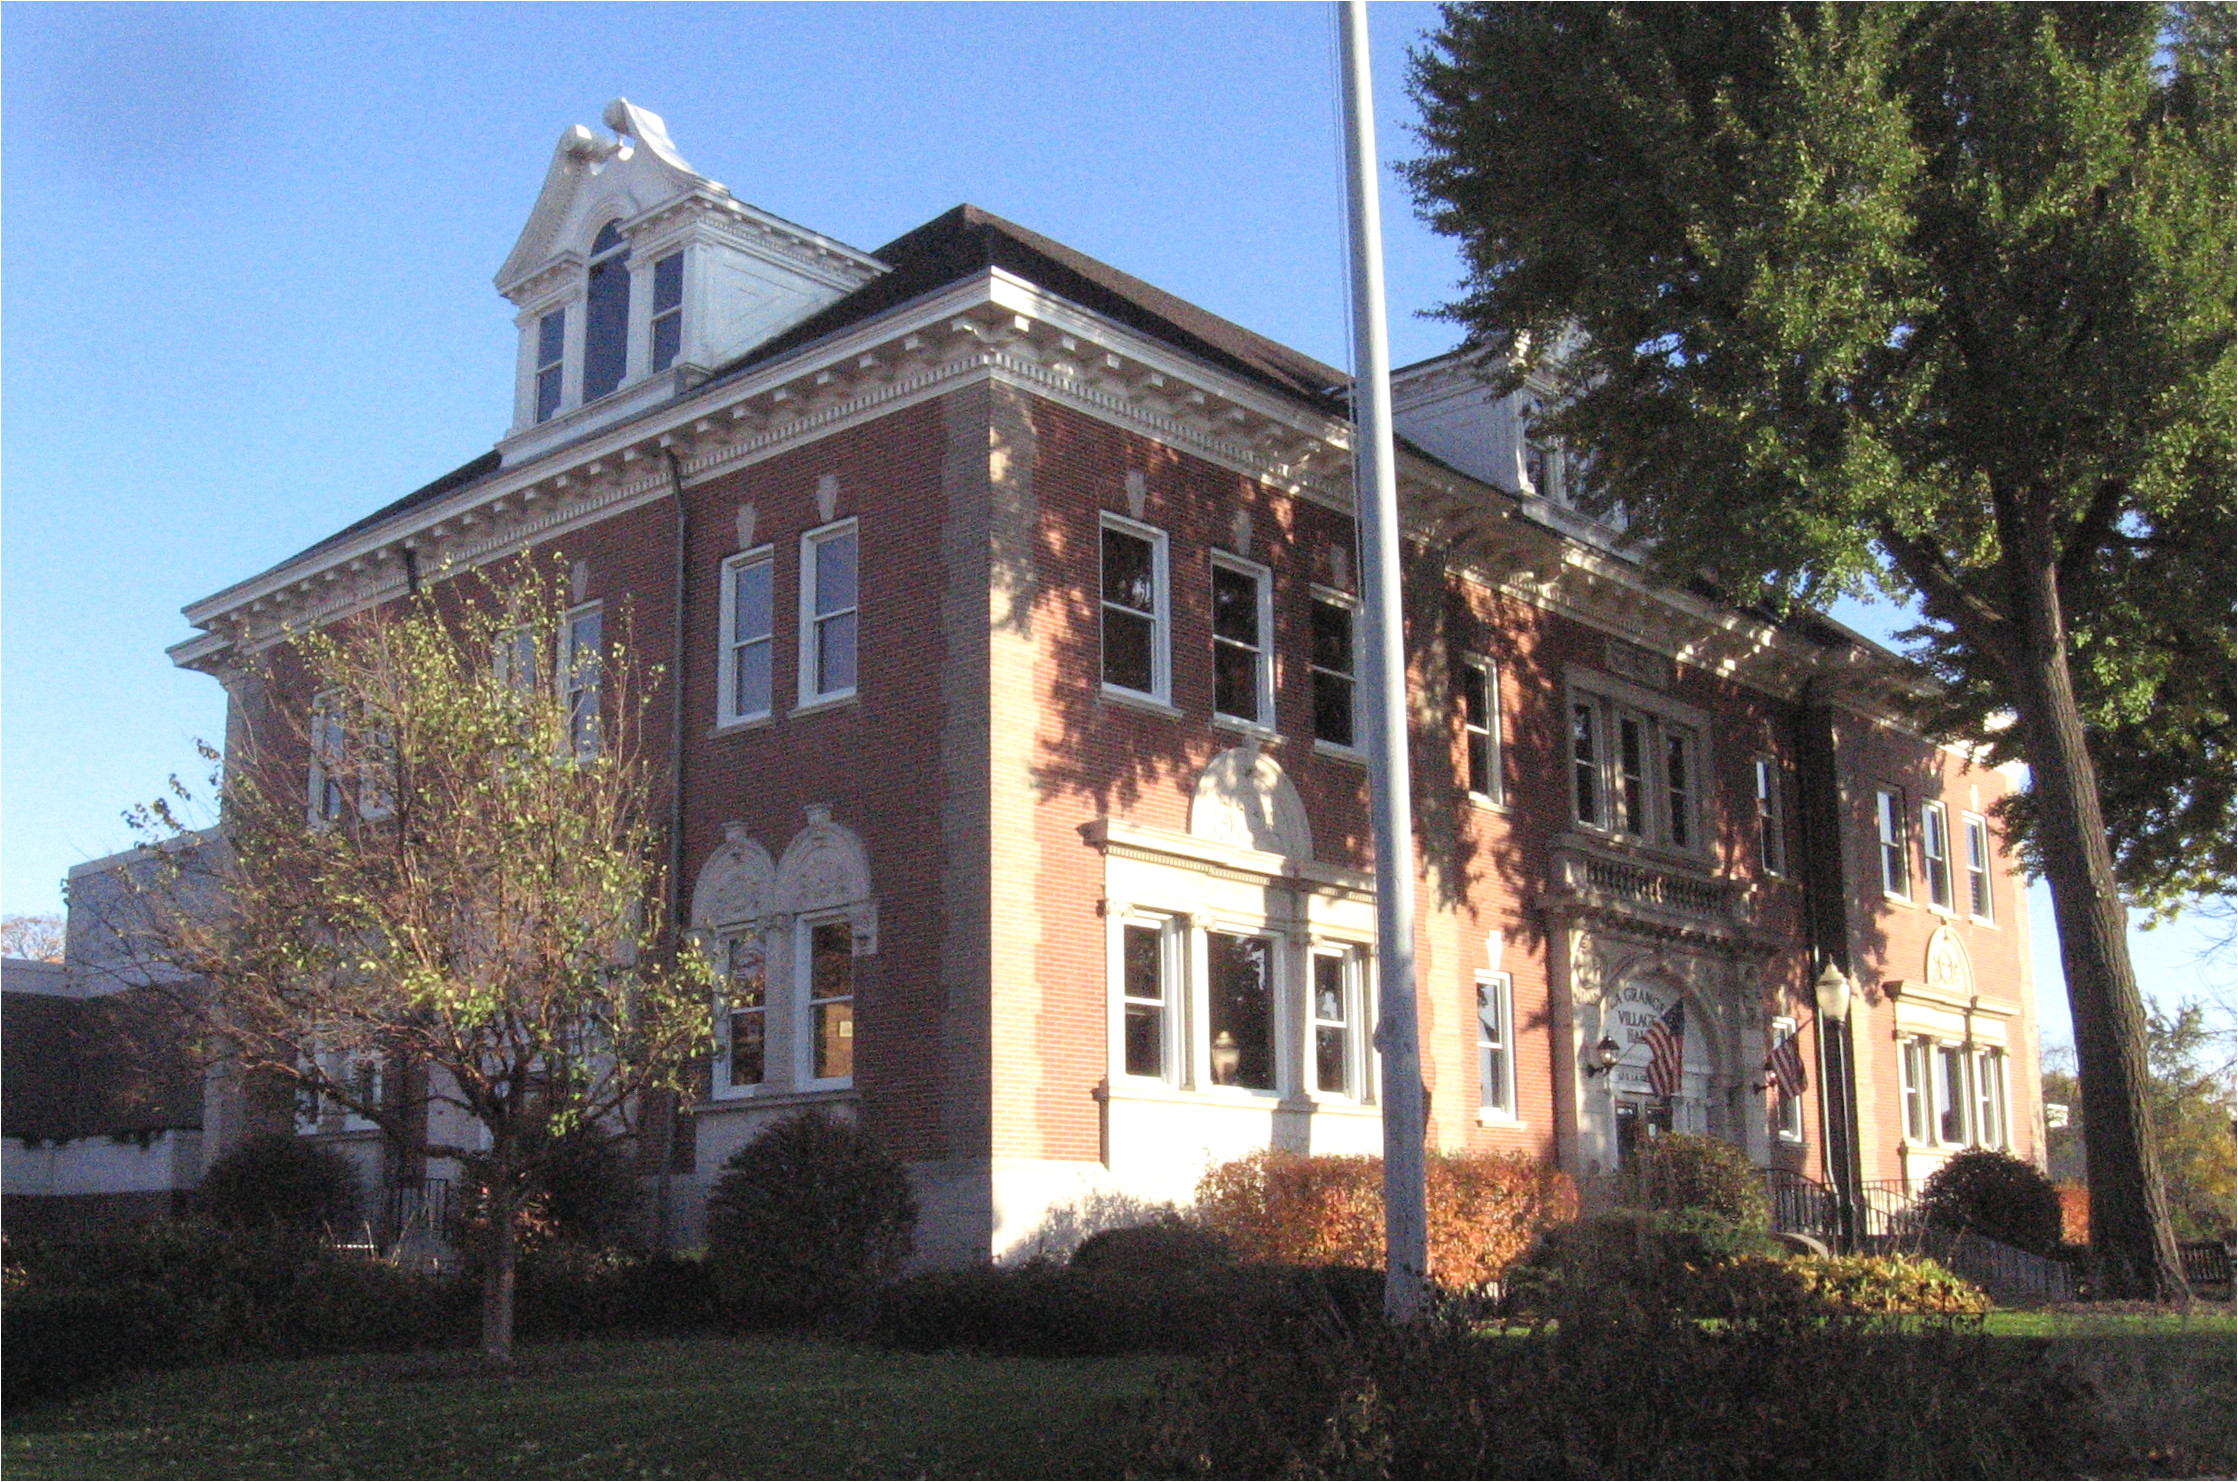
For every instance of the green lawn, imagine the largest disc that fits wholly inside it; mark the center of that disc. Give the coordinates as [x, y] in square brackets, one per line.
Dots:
[703, 1407]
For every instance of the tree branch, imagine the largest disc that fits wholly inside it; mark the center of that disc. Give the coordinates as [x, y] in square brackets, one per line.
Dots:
[1945, 596]
[2089, 535]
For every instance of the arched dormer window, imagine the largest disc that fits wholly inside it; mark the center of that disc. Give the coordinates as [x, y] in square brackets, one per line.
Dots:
[606, 321]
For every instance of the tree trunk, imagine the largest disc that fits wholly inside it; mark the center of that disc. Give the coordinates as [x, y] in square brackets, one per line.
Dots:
[2132, 1244]
[499, 1273]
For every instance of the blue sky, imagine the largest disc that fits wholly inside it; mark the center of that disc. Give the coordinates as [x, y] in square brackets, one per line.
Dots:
[248, 249]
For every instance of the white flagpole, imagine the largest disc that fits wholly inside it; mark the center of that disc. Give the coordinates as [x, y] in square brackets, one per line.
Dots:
[1384, 670]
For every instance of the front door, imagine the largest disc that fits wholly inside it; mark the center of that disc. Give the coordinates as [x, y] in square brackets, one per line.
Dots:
[1638, 1117]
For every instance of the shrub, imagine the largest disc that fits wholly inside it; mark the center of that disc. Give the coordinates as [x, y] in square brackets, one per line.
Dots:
[1759, 1288]
[1680, 1170]
[1484, 1210]
[1167, 1244]
[807, 1220]
[1631, 1267]
[1994, 1194]
[280, 1179]
[1053, 1311]
[1821, 1398]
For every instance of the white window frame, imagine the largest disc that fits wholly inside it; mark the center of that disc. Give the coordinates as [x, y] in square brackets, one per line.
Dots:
[1787, 1107]
[1350, 605]
[728, 712]
[376, 787]
[1359, 1069]
[1935, 856]
[1609, 704]
[1916, 1068]
[1262, 580]
[568, 678]
[1496, 1096]
[1161, 618]
[805, 1001]
[1990, 1129]
[1279, 1010]
[727, 944]
[1495, 793]
[1949, 1099]
[1771, 820]
[658, 315]
[811, 636]
[1890, 830]
[1173, 978]
[317, 1111]
[1981, 904]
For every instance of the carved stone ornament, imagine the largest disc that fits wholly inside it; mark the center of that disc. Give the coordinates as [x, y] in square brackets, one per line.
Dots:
[1949, 969]
[824, 867]
[738, 884]
[1246, 799]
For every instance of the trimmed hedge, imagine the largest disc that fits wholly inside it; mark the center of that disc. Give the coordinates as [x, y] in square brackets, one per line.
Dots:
[807, 1220]
[280, 1179]
[1995, 1194]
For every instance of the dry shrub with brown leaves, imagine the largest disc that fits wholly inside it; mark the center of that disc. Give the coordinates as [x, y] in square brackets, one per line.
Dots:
[1485, 1209]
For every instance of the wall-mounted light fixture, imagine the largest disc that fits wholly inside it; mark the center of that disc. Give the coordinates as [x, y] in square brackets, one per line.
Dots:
[1605, 1056]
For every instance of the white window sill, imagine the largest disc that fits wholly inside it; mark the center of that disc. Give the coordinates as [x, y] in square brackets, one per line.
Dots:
[761, 722]
[1335, 752]
[1488, 803]
[770, 1096]
[1135, 1088]
[1986, 921]
[1491, 1116]
[1242, 727]
[1790, 1139]
[839, 701]
[1137, 700]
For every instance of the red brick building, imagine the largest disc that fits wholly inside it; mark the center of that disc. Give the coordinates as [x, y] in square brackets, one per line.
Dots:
[1017, 604]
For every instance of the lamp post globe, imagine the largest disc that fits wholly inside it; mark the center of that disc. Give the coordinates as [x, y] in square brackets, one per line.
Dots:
[1833, 991]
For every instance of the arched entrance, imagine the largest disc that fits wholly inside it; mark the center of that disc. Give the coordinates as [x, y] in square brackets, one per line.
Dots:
[1664, 1069]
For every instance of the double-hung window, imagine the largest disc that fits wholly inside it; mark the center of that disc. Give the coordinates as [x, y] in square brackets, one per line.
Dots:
[1977, 868]
[1950, 1094]
[1338, 1012]
[748, 619]
[1135, 603]
[606, 314]
[1335, 665]
[1480, 728]
[1635, 772]
[330, 740]
[1147, 998]
[1585, 762]
[1919, 1095]
[551, 362]
[581, 637]
[828, 613]
[1495, 1044]
[668, 310]
[745, 1013]
[828, 953]
[1989, 1098]
[1934, 848]
[1771, 840]
[1896, 865]
[1242, 642]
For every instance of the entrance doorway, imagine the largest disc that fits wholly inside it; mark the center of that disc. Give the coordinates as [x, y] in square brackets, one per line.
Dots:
[1638, 1117]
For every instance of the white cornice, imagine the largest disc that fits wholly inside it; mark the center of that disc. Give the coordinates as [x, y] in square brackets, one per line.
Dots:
[992, 326]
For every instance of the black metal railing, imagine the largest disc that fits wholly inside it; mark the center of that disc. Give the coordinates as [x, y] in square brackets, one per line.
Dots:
[1801, 1205]
[422, 1205]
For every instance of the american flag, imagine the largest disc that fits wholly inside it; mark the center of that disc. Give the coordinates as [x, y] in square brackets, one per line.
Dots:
[1666, 1050]
[1786, 1065]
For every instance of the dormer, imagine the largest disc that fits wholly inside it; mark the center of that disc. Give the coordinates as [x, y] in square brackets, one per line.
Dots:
[637, 275]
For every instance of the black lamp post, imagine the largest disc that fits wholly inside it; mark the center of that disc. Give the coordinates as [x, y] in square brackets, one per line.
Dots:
[1837, 1097]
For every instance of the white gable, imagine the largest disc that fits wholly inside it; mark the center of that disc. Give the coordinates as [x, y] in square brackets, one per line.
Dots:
[743, 276]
